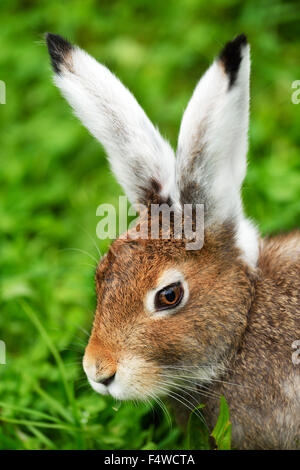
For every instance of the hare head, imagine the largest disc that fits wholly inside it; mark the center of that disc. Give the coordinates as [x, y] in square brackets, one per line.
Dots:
[164, 311]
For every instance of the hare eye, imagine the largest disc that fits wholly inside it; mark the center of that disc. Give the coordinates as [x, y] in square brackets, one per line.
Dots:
[169, 296]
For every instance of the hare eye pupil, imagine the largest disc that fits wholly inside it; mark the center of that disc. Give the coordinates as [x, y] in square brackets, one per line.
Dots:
[169, 297]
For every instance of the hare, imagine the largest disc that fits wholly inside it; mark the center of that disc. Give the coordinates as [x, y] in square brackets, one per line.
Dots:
[191, 325]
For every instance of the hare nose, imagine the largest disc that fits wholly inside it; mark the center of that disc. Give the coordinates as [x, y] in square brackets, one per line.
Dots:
[108, 380]
[96, 375]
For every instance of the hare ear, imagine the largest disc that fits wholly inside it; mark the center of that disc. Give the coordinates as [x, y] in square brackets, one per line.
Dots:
[141, 159]
[212, 145]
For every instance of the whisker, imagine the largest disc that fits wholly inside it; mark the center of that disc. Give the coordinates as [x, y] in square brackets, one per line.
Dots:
[81, 346]
[88, 264]
[209, 391]
[73, 350]
[197, 367]
[199, 388]
[82, 386]
[68, 364]
[92, 240]
[212, 379]
[185, 403]
[163, 407]
[81, 379]
[79, 343]
[82, 251]
[113, 251]
[148, 401]
[166, 411]
[84, 331]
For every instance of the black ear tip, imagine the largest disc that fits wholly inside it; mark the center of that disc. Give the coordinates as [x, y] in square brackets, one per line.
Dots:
[58, 48]
[231, 56]
[241, 40]
[235, 45]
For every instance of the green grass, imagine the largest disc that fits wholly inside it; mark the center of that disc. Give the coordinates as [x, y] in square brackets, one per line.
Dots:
[54, 175]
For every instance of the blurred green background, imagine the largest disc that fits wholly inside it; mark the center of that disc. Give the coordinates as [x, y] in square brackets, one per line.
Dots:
[54, 175]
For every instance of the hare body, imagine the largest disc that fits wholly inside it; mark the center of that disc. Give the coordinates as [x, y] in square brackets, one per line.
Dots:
[191, 324]
[260, 381]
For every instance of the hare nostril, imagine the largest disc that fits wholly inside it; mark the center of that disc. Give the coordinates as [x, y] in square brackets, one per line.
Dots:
[108, 380]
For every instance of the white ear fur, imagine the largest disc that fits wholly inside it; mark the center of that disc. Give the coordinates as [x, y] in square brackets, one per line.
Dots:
[212, 144]
[141, 159]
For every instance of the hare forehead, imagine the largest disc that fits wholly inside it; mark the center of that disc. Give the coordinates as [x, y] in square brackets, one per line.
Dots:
[142, 259]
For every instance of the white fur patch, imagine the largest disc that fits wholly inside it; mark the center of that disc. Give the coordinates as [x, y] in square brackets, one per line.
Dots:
[247, 239]
[136, 150]
[134, 379]
[291, 388]
[98, 387]
[213, 141]
[212, 144]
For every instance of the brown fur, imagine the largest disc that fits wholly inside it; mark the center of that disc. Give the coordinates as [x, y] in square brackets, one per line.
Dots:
[233, 332]
[264, 413]
[245, 320]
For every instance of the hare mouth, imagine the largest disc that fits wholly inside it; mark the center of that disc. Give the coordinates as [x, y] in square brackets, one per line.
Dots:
[98, 387]
[115, 390]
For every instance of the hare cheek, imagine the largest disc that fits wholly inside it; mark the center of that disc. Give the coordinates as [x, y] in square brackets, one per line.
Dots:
[134, 379]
